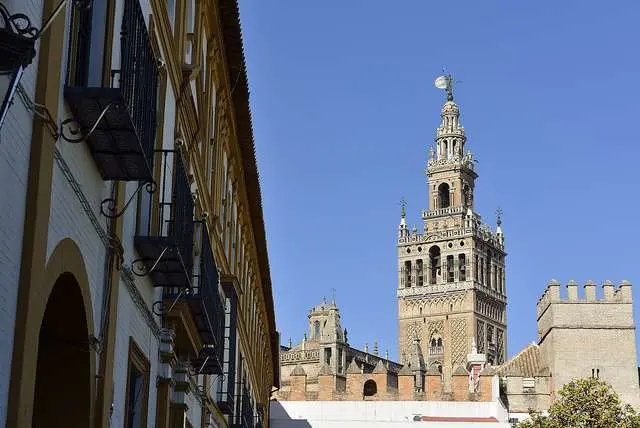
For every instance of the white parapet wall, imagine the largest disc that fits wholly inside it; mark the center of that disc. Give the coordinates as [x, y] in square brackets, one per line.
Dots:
[355, 414]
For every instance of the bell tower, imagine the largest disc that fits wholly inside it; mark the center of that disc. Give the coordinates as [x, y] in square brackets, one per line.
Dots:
[451, 276]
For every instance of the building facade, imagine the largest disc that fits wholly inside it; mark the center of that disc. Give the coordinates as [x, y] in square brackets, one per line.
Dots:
[324, 367]
[575, 339]
[134, 266]
[451, 275]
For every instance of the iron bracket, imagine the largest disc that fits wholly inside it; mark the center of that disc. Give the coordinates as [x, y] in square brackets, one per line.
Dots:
[108, 206]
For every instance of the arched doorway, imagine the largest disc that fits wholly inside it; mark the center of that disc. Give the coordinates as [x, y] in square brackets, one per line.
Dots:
[63, 393]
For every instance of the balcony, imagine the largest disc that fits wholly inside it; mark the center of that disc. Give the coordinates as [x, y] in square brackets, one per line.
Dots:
[166, 251]
[119, 122]
[436, 350]
[207, 311]
[246, 417]
[226, 392]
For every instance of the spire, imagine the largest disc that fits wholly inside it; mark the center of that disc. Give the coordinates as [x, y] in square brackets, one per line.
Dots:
[499, 233]
[375, 348]
[450, 138]
[402, 228]
[415, 357]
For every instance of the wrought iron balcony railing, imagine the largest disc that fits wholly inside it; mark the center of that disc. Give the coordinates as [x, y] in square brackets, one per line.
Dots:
[207, 310]
[246, 417]
[436, 350]
[119, 122]
[226, 391]
[165, 247]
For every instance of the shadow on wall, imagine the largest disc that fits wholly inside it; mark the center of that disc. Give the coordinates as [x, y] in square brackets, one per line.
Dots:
[278, 417]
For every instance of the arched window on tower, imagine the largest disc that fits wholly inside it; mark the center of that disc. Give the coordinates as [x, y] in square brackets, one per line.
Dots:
[434, 263]
[488, 272]
[316, 330]
[450, 269]
[407, 273]
[443, 195]
[435, 345]
[466, 192]
[462, 266]
[419, 273]
[445, 149]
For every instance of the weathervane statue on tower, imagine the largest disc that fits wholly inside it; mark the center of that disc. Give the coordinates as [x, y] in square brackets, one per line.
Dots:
[445, 82]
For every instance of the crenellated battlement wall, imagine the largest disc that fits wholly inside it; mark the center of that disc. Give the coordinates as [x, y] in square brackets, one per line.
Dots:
[610, 294]
[585, 334]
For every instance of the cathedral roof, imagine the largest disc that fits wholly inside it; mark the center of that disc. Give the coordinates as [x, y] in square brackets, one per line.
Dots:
[353, 368]
[380, 368]
[298, 371]
[527, 363]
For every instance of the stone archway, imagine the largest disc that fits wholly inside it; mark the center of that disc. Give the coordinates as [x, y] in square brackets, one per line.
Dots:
[62, 393]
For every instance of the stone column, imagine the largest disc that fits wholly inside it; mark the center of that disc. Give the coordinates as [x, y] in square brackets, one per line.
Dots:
[298, 384]
[434, 385]
[354, 382]
[326, 383]
[165, 381]
[181, 390]
[406, 386]
[460, 384]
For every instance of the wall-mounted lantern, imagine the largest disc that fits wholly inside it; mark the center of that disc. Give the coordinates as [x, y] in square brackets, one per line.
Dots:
[17, 50]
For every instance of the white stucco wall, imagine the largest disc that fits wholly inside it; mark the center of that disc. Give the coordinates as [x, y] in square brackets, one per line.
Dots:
[130, 323]
[15, 147]
[320, 414]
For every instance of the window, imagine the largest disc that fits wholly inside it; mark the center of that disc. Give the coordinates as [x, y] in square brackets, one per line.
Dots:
[443, 195]
[79, 43]
[171, 9]
[419, 272]
[475, 274]
[450, 270]
[462, 265]
[434, 263]
[316, 330]
[407, 274]
[137, 388]
[213, 138]
[528, 385]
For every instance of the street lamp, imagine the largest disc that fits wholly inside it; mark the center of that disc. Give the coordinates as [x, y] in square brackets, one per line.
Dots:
[17, 41]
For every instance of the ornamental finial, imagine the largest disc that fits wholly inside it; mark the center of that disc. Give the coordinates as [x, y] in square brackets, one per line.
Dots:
[499, 216]
[403, 207]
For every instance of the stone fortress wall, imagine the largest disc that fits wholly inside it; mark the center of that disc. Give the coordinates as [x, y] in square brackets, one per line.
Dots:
[590, 336]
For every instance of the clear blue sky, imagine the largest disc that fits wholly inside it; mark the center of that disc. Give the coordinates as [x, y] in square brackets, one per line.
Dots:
[344, 109]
